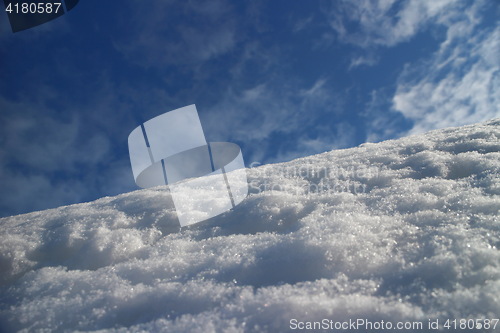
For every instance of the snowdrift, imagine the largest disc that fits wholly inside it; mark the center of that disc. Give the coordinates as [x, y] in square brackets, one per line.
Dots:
[404, 231]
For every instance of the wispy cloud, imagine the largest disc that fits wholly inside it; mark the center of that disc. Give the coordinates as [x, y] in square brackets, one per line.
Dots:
[368, 23]
[382, 122]
[363, 60]
[459, 84]
[254, 97]
[278, 107]
[455, 85]
[302, 23]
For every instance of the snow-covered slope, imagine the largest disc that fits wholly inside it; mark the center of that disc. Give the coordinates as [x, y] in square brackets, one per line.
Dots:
[403, 230]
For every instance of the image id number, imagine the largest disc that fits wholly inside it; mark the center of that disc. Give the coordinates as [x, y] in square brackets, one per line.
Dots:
[33, 8]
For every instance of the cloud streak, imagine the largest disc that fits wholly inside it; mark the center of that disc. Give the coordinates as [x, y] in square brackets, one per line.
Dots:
[455, 85]
[459, 84]
[369, 23]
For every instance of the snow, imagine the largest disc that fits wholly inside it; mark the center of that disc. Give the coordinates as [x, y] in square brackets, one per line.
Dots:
[402, 230]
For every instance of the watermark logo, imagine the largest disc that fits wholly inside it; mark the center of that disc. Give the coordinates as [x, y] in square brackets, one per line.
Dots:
[308, 179]
[26, 14]
[204, 179]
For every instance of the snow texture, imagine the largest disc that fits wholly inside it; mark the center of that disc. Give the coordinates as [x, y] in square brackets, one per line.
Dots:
[402, 230]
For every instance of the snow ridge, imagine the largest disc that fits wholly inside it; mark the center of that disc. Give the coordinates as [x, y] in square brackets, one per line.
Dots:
[402, 230]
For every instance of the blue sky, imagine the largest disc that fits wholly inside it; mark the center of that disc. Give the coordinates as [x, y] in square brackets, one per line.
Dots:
[283, 79]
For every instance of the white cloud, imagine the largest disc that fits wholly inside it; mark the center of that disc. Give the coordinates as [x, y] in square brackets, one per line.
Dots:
[251, 98]
[459, 84]
[316, 91]
[275, 106]
[368, 23]
[302, 23]
[363, 60]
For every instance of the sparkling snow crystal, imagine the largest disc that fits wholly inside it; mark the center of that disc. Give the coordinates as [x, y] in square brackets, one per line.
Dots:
[402, 230]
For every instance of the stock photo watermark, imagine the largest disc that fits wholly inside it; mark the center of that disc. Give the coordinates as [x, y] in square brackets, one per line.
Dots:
[364, 325]
[308, 180]
[204, 179]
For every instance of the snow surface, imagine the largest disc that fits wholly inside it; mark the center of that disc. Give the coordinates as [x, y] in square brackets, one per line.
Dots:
[401, 230]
